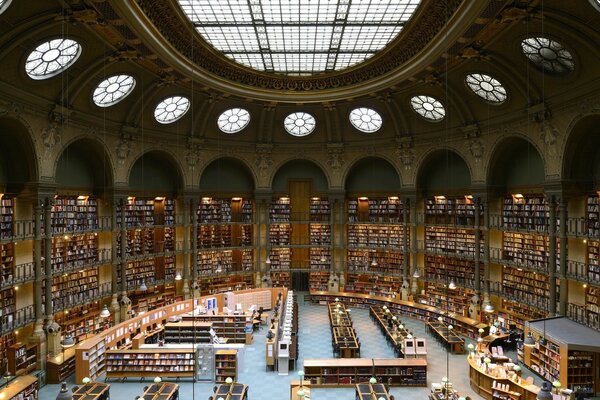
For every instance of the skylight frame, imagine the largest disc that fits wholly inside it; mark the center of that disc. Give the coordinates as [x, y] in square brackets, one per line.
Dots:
[428, 107]
[38, 68]
[164, 114]
[102, 97]
[532, 49]
[365, 120]
[487, 87]
[4, 4]
[257, 33]
[299, 124]
[228, 124]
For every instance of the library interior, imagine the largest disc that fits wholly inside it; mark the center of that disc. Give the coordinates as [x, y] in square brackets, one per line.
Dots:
[273, 199]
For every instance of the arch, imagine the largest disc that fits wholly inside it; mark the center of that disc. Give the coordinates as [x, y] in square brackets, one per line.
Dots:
[372, 175]
[442, 171]
[84, 163]
[156, 172]
[18, 164]
[227, 175]
[515, 162]
[299, 169]
[581, 161]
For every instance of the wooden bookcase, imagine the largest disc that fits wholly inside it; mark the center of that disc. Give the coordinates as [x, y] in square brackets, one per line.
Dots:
[61, 366]
[593, 260]
[225, 283]
[527, 287]
[450, 210]
[74, 214]
[375, 235]
[138, 271]
[455, 301]
[7, 307]
[6, 341]
[593, 216]
[7, 263]
[592, 306]
[280, 210]
[525, 212]
[375, 210]
[348, 372]
[74, 251]
[6, 216]
[319, 280]
[22, 358]
[74, 288]
[516, 313]
[188, 332]
[443, 269]
[452, 241]
[163, 362]
[225, 365]
[281, 279]
[232, 327]
[81, 322]
[23, 388]
[375, 261]
[375, 284]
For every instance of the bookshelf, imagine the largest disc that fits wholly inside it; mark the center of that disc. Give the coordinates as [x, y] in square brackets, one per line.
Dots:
[452, 241]
[280, 234]
[281, 258]
[7, 263]
[375, 261]
[375, 210]
[138, 271]
[74, 287]
[281, 279]
[225, 283]
[6, 341]
[74, 214]
[452, 300]
[527, 287]
[74, 251]
[373, 284]
[225, 365]
[22, 358]
[23, 388]
[187, 332]
[450, 210]
[593, 260]
[445, 269]
[61, 366]
[280, 210]
[81, 321]
[517, 313]
[319, 280]
[525, 212]
[592, 306]
[231, 327]
[529, 249]
[320, 210]
[348, 372]
[7, 307]
[6, 216]
[375, 235]
[593, 216]
[167, 363]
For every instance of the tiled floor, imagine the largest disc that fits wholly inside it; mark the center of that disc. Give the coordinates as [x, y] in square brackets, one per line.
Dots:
[315, 342]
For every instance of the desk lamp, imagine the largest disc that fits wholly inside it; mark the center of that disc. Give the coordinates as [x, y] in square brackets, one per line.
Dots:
[301, 375]
[85, 380]
[545, 392]
[6, 375]
[63, 394]
[157, 379]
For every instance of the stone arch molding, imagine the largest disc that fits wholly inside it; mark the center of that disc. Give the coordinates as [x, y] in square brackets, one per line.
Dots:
[267, 182]
[14, 111]
[138, 152]
[501, 138]
[360, 156]
[584, 111]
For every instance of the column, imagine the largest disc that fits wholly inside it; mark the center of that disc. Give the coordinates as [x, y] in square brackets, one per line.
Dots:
[475, 302]
[39, 335]
[52, 328]
[194, 239]
[412, 202]
[114, 305]
[262, 199]
[552, 255]
[125, 302]
[486, 251]
[337, 278]
[562, 271]
[405, 289]
[186, 248]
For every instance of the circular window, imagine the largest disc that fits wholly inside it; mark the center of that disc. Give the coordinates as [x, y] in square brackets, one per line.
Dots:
[171, 109]
[113, 89]
[428, 107]
[299, 124]
[233, 120]
[365, 119]
[51, 58]
[4, 5]
[486, 87]
[595, 4]
[548, 55]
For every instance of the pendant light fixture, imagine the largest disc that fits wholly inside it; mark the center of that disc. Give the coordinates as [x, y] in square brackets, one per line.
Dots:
[545, 392]
[143, 286]
[452, 285]
[529, 340]
[105, 313]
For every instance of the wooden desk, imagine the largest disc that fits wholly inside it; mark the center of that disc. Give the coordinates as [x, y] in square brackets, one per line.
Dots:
[345, 338]
[235, 391]
[295, 386]
[336, 318]
[61, 366]
[23, 385]
[367, 391]
[454, 342]
[92, 391]
[396, 337]
[481, 383]
[162, 391]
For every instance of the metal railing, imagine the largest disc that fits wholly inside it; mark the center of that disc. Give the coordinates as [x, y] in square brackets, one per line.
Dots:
[68, 301]
[22, 273]
[18, 318]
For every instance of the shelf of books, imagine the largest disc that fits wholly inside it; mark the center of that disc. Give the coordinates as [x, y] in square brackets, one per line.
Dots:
[375, 235]
[6, 216]
[280, 210]
[6, 341]
[23, 388]
[22, 358]
[74, 214]
[593, 215]
[375, 261]
[592, 306]
[281, 279]
[188, 332]
[7, 263]
[225, 365]
[232, 327]
[525, 212]
[375, 209]
[320, 210]
[81, 321]
[60, 366]
[450, 210]
[163, 362]
[456, 241]
[280, 234]
[212, 262]
[528, 249]
[225, 283]
[319, 280]
[224, 210]
[74, 251]
[527, 287]
[451, 300]
[513, 313]
[348, 372]
[373, 284]
[138, 271]
[280, 258]
[444, 269]
[593, 260]
[7, 308]
[73, 288]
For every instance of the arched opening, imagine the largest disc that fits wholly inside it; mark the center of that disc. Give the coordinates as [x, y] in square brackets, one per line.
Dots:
[84, 167]
[444, 172]
[227, 176]
[155, 173]
[299, 170]
[17, 157]
[581, 165]
[372, 176]
[515, 164]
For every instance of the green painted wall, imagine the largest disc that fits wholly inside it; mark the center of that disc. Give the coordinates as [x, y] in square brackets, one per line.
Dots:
[226, 175]
[3, 173]
[74, 170]
[519, 165]
[372, 175]
[300, 170]
[444, 170]
[155, 172]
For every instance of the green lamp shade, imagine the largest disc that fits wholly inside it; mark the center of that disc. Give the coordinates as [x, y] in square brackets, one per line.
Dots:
[470, 346]
[229, 380]
[157, 379]
[481, 330]
[445, 379]
[450, 327]
[556, 384]
[516, 368]
[440, 318]
[394, 318]
[301, 373]
[85, 380]
[487, 360]
[373, 380]
[300, 393]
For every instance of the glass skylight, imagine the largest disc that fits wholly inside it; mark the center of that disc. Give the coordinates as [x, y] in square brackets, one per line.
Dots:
[4, 5]
[486, 87]
[298, 36]
[171, 109]
[113, 89]
[428, 107]
[365, 119]
[548, 54]
[299, 124]
[233, 120]
[51, 58]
